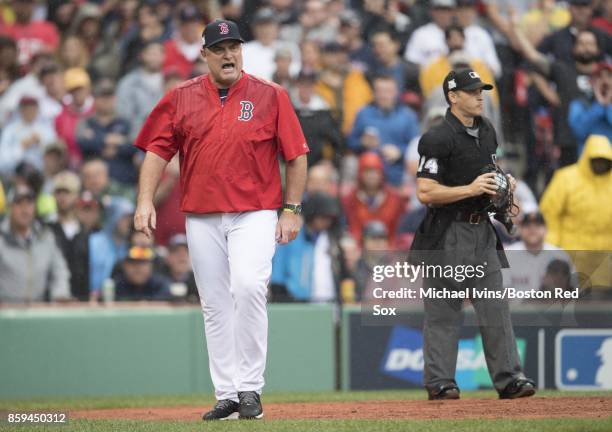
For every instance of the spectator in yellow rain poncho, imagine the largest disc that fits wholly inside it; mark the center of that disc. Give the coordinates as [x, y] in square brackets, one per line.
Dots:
[577, 207]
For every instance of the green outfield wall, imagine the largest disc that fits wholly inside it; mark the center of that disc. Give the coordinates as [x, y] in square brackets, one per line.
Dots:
[150, 350]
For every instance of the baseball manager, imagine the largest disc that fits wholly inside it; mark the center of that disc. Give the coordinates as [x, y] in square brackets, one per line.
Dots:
[228, 128]
[452, 179]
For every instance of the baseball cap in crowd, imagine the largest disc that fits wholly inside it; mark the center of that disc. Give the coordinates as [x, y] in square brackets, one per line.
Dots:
[464, 79]
[87, 199]
[76, 77]
[104, 87]
[28, 100]
[533, 217]
[220, 30]
[67, 180]
[190, 13]
[306, 76]
[264, 16]
[283, 52]
[375, 229]
[580, 2]
[602, 66]
[370, 160]
[139, 253]
[349, 18]
[56, 147]
[177, 240]
[333, 47]
[88, 10]
[21, 192]
[459, 59]
[443, 4]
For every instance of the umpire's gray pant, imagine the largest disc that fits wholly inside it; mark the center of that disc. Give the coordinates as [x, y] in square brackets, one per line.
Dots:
[465, 243]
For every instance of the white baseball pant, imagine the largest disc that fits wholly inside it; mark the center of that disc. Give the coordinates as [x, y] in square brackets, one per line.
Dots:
[231, 255]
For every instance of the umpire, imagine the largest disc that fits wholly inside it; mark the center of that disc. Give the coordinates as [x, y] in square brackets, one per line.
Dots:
[452, 181]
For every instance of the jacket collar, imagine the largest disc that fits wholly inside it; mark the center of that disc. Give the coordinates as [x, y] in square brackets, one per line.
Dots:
[5, 229]
[236, 86]
[458, 127]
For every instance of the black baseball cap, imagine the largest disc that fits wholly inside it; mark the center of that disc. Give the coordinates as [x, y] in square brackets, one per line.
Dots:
[220, 30]
[333, 47]
[21, 192]
[264, 16]
[464, 79]
[580, 2]
[104, 87]
[190, 13]
[533, 217]
[306, 75]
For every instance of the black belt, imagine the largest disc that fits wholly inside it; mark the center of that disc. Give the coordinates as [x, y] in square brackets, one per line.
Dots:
[471, 217]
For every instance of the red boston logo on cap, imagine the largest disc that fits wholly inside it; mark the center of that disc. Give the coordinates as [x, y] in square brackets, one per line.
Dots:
[223, 28]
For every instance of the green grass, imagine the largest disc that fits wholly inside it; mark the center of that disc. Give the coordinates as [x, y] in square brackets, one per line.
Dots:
[140, 401]
[468, 425]
[552, 425]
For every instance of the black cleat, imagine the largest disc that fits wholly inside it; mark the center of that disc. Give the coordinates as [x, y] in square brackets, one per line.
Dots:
[522, 387]
[444, 392]
[225, 409]
[250, 405]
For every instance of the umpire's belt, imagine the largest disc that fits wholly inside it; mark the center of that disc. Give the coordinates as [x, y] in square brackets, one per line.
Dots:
[471, 217]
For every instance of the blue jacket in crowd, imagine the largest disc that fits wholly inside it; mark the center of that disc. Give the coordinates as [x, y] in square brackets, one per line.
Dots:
[90, 137]
[589, 118]
[292, 266]
[104, 252]
[396, 127]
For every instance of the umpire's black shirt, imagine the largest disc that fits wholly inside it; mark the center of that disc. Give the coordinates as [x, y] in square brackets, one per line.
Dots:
[454, 155]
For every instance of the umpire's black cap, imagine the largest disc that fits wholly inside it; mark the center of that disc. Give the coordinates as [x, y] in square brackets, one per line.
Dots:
[464, 79]
[220, 30]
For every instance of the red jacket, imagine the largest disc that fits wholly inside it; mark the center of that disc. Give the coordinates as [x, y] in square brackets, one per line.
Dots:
[175, 60]
[388, 211]
[228, 153]
[32, 38]
[65, 127]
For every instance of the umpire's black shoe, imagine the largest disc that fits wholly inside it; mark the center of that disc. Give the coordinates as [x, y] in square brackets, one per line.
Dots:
[250, 405]
[444, 392]
[522, 387]
[225, 409]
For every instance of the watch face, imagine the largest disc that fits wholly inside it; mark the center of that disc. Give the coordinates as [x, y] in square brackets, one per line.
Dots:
[295, 208]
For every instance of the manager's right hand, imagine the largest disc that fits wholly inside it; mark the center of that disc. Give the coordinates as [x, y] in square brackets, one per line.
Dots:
[145, 218]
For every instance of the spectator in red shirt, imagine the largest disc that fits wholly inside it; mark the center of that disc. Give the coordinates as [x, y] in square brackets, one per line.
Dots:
[604, 22]
[32, 37]
[78, 85]
[372, 199]
[183, 50]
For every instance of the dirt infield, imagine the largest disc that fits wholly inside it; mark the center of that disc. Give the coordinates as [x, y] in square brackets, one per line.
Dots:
[537, 407]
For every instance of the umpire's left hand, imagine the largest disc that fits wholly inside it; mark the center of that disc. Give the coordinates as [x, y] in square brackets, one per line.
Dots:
[288, 227]
[512, 181]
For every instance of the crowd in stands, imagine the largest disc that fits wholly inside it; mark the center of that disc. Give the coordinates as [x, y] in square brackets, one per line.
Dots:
[78, 79]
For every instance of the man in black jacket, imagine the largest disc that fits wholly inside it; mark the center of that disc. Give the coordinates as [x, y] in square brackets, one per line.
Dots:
[72, 238]
[320, 129]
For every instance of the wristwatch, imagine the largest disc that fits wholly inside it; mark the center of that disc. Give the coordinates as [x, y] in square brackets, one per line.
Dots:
[293, 208]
